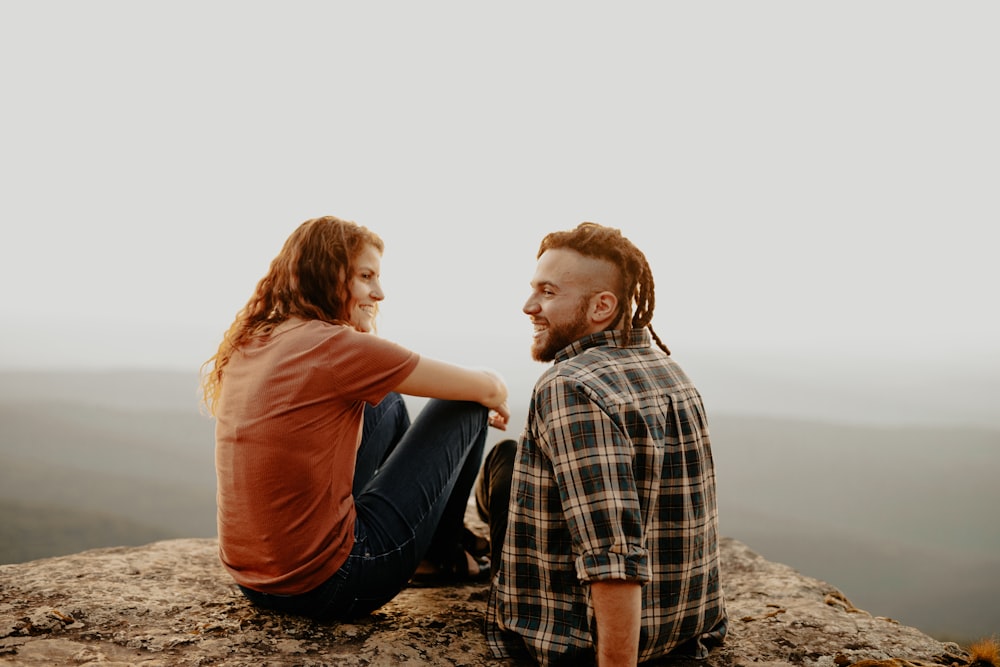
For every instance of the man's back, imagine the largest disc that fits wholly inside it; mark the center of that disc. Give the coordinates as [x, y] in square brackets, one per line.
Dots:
[613, 479]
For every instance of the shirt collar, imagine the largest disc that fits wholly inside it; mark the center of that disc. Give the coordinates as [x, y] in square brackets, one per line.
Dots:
[613, 338]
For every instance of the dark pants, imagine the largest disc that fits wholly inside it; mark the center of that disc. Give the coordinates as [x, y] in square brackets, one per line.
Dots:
[493, 494]
[411, 487]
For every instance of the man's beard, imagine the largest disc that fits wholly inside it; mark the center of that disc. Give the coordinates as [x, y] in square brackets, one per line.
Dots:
[558, 336]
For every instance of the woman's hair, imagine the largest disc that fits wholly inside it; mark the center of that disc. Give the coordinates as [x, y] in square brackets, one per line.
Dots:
[307, 279]
[635, 286]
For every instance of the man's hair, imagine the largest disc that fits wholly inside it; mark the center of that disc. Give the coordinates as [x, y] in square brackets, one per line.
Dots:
[308, 279]
[635, 290]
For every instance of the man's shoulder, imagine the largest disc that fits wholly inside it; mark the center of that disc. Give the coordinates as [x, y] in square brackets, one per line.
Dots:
[606, 361]
[595, 371]
[605, 371]
[575, 368]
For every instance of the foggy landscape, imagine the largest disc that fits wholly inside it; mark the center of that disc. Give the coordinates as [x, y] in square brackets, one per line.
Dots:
[899, 517]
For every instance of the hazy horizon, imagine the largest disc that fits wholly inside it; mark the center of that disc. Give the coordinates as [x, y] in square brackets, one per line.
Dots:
[842, 387]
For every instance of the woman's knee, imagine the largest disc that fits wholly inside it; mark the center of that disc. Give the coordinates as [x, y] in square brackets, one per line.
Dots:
[463, 407]
[466, 417]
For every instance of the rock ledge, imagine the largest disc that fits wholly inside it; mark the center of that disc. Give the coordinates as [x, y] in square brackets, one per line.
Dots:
[171, 603]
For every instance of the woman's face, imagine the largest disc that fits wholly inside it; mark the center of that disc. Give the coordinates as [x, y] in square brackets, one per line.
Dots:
[364, 289]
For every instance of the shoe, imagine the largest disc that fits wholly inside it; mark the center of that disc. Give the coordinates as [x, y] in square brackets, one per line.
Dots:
[476, 546]
[455, 573]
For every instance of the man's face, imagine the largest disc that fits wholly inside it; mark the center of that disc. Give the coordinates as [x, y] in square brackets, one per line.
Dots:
[558, 306]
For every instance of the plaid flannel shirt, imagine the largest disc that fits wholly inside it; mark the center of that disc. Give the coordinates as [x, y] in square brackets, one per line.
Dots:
[613, 479]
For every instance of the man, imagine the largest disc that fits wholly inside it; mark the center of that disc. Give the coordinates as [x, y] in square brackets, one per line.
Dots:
[603, 516]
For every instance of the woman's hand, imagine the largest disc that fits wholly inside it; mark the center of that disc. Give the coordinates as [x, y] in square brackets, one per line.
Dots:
[499, 416]
[500, 413]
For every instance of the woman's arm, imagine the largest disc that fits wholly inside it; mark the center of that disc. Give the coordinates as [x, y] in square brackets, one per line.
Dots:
[437, 379]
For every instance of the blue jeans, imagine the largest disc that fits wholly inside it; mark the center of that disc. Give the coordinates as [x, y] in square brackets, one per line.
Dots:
[411, 486]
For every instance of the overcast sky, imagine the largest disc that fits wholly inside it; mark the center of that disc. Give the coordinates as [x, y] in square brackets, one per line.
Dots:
[806, 179]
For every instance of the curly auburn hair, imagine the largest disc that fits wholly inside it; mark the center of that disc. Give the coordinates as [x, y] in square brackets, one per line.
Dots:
[307, 279]
[635, 286]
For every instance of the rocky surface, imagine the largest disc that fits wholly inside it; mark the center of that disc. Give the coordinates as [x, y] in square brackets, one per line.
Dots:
[171, 603]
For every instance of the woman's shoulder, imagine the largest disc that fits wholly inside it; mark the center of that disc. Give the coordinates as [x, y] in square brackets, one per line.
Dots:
[300, 333]
[339, 336]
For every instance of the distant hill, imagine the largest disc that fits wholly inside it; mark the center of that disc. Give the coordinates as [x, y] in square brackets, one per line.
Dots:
[29, 532]
[126, 389]
[899, 518]
[127, 454]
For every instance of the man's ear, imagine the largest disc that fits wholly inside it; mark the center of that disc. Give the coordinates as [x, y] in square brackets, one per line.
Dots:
[603, 307]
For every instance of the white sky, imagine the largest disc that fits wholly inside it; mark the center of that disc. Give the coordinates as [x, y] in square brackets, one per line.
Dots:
[804, 177]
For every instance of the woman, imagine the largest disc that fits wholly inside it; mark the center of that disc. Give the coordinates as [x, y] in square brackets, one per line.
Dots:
[328, 497]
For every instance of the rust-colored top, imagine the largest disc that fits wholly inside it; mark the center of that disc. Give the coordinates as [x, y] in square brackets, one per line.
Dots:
[288, 425]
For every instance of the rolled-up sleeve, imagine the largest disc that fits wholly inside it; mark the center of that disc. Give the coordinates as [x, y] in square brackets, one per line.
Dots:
[592, 458]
